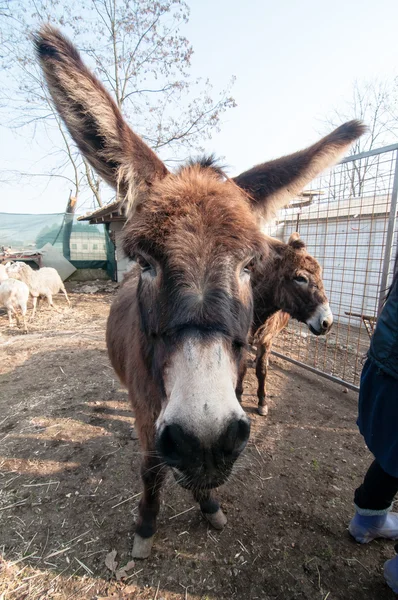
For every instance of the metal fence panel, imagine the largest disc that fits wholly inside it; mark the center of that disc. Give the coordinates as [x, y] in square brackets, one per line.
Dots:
[350, 225]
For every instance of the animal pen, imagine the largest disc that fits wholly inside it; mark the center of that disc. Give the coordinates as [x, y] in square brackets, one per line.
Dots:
[86, 247]
[349, 224]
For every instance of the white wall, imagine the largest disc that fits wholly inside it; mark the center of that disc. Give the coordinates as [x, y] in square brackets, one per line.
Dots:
[123, 264]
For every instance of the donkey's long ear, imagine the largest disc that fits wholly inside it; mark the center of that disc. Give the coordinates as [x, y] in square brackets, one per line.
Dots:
[295, 241]
[93, 119]
[273, 184]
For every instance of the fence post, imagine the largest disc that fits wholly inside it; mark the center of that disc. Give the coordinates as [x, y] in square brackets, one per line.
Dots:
[392, 219]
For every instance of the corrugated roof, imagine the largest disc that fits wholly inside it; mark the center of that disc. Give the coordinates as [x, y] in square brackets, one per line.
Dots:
[102, 211]
[336, 208]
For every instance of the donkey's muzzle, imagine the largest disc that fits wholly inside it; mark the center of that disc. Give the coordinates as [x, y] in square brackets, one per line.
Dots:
[324, 328]
[321, 320]
[198, 464]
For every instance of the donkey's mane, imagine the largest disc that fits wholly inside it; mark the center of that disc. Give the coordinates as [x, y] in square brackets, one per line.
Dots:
[207, 161]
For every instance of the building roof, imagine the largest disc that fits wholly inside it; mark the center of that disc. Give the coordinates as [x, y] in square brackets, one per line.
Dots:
[330, 208]
[105, 214]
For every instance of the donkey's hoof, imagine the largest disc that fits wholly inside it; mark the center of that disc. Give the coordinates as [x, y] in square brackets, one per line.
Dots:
[142, 546]
[217, 520]
[262, 410]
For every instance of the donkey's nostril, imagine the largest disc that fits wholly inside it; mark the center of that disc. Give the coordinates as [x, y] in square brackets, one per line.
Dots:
[325, 324]
[235, 437]
[186, 452]
[175, 445]
[171, 443]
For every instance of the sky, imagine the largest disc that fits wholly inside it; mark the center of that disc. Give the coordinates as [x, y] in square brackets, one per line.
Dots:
[294, 62]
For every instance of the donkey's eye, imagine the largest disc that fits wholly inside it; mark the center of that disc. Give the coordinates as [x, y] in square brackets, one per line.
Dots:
[300, 279]
[144, 264]
[249, 267]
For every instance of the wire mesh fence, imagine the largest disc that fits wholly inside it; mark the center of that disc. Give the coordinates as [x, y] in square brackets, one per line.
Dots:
[348, 220]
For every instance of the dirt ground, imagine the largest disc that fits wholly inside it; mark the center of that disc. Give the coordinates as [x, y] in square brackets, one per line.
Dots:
[70, 486]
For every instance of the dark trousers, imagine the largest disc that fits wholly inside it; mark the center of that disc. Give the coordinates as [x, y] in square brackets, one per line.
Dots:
[378, 489]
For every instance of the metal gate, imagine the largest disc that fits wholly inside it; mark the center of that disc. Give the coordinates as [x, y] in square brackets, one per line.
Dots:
[348, 219]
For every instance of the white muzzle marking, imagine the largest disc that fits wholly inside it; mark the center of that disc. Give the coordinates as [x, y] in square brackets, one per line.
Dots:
[200, 387]
[322, 319]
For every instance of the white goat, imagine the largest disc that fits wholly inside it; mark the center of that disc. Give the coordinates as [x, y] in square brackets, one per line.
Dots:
[44, 282]
[14, 296]
[3, 273]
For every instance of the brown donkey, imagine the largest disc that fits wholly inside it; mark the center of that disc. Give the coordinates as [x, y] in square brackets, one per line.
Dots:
[288, 284]
[177, 329]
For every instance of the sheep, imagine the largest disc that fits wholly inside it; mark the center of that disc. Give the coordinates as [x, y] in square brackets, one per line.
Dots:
[3, 273]
[44, 282]
[14, 295]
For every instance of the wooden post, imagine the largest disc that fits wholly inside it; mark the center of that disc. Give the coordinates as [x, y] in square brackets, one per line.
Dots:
[68, 224]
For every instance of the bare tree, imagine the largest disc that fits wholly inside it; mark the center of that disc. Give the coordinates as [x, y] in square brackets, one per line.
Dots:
[373, 103]
[5, 8]
[137, 50]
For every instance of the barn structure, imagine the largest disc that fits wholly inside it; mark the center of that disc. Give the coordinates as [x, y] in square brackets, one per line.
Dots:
[22, 236]
[113, 217]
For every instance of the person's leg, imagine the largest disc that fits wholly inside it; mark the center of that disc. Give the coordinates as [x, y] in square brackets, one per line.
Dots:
[377, 490]
[373, 501]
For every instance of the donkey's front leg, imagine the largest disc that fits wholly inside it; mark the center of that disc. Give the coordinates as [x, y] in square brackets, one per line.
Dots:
[241, 376]
[152, 474]
[210, 508]
[261, 373]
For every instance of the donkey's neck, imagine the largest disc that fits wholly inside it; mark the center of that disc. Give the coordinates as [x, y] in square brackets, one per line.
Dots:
[266, 286]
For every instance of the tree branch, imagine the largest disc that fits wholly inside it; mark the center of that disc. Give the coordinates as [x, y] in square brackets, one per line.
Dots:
[93, 185]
